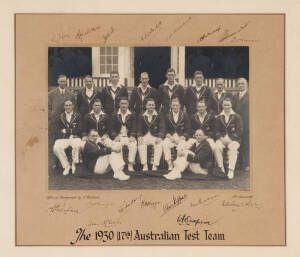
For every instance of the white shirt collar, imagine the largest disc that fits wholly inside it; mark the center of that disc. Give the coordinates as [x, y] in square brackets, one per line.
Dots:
[127, 112]
[167, 85]
[89, 89]
[101, 112]
[203, 115]
[223, 91]
[243, 92]
[175, 114]
[146, 113]
[194, 85]
[118, 85]
[223, 113]
[69, 114]
[140, 86]
[62, 90]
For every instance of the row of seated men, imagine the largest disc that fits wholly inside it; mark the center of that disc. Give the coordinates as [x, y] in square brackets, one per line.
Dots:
[199, 139]
[189, 97]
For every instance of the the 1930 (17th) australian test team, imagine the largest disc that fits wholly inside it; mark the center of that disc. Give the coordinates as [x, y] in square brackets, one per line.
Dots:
[198, 122]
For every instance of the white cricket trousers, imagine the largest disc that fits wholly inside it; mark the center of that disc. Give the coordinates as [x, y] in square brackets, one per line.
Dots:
[148, 139]
[61, 145]
[232, 153]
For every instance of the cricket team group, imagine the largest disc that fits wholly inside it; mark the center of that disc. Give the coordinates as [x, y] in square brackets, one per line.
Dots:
[196, 121]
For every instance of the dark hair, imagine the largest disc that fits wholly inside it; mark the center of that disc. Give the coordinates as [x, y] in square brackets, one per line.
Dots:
[170, 70]
[148, 100]
[200, 130]
[228, 99]
[92, 130]
[202, 101]
[68, 100]
[124, 98]
[198, 72]
[175, 98]
[96, 100]
[114, 72]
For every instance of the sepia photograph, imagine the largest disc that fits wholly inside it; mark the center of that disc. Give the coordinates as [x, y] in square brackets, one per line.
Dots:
[172, 117]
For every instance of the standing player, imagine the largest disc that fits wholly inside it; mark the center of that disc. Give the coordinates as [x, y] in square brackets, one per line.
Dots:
[241, 106]
[177, 131]
[57, 97]
[197, 92]
[170, 90]
[141, 93]
[111, 94]
[229, 131]
[86, 96]
[68, 131]
[150, 131]
[218, 96]
[123, 130]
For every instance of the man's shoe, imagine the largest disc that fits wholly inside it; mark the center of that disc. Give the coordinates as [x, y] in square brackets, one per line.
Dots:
[154, 167]
[120, 175]
[230, 174]
[66, 171]
[173, 175]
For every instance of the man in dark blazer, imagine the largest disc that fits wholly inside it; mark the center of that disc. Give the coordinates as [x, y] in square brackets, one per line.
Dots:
[204, 121]
[178, 130]
[218, 96]
[123, 130]
[140, 93]
[111, 94]
[229, 132]
[86, 96]
[57, 97]
[197, 92]
[170, 89]
[98, 158]
[150, 131]
[67, 134]
[241, 106]
[199, 158]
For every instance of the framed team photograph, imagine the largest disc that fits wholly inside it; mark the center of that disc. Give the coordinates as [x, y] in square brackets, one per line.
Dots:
[171, 133]
[181, 139]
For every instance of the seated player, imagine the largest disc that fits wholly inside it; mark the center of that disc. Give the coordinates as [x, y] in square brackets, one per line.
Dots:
[205, 121]
[99, 121]
[123, 130]
[177, 131]
[150, 131]
[98, 158]
[140, 93]
[229, 131]
[67, 134]
[199, 158]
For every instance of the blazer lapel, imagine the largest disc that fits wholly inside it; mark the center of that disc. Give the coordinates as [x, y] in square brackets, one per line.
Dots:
[64, 120]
